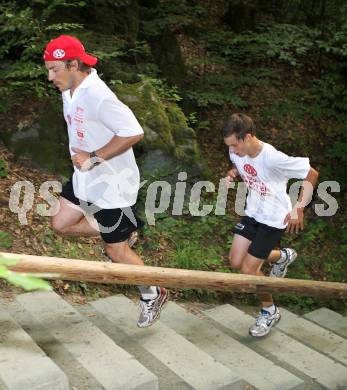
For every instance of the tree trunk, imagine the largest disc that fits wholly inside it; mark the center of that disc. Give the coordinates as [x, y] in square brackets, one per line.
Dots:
[99, 272]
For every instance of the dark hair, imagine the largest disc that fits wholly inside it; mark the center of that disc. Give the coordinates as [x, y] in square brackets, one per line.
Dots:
[81, 65]
[238, 124]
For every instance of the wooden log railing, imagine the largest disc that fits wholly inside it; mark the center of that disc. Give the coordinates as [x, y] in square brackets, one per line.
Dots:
[111, 273]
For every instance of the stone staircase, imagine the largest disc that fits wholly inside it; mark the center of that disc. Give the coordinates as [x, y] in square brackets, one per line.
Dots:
[46, 343]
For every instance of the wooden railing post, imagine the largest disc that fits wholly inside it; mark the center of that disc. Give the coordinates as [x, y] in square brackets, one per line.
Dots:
[100, 272]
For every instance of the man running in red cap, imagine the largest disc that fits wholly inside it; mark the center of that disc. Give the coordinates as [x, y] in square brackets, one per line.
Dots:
[101, 196]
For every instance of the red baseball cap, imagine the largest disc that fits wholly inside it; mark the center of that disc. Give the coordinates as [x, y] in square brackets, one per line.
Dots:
[66, 47]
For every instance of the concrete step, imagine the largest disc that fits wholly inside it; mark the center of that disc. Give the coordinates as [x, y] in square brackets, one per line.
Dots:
[23, 365]
[167, 378]
[110, 365]
[79, 377]
[314, 336]
[191, 364]
[330, 320]
[98, 346]
[282, 348]
[243, 361]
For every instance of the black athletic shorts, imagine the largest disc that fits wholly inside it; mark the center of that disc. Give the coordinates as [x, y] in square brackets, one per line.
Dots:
[264, 238]
[115, 225]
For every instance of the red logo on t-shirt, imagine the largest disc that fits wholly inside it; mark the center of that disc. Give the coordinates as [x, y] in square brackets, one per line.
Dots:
[80, 133]
[250, 170]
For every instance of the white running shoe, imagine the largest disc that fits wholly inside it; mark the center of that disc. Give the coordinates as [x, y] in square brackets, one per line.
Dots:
[264, 322]
[280, 268]
[151, 308]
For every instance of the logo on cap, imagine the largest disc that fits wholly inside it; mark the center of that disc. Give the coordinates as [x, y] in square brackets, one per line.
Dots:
[59, 53]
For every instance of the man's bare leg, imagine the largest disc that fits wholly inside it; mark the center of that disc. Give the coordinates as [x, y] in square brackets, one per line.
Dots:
[120, 252]
[252, 266]
[274, 256]
[238, 251]
[269, 314]
[70, 220]
[152, 297]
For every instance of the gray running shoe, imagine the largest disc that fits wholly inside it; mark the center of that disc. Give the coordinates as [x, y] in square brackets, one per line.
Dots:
[264, 322]
[151, 308]
[280, 268]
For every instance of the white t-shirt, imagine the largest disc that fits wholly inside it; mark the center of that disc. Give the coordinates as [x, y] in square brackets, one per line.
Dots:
[266, 177]
[94, 115]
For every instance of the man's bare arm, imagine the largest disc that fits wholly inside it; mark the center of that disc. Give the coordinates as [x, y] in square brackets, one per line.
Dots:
[295, 219]
[115, 147]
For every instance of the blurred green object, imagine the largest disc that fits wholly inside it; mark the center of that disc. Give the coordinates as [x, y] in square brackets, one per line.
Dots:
[26, 281]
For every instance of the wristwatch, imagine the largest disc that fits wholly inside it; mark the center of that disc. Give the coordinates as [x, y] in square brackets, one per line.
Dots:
[94, 155]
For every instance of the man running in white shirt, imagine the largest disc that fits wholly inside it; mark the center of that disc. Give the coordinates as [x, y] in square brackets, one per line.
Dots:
[269, 212]
[101, 196]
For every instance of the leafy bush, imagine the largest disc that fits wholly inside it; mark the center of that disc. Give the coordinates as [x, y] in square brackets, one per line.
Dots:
[23, 36]
[284, 42]
[172, 15]
[205, 98]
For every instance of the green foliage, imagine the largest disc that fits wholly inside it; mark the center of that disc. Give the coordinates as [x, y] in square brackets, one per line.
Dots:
[164, 91]
[23, 36]
[292, 105]
[172, 15]
[21, 75]
[180, 228]
[324, 101]
[16, 27]
[117, 48]
[220, 89]
[335, 41]
[330, 95]
[5, 240]
[205, 98]
[244, 59]
[26, 281]
[337, 151]
[284, 42]
[186, 234]
[191, 255]
[3, 168]
[289, 43]
[313, 261]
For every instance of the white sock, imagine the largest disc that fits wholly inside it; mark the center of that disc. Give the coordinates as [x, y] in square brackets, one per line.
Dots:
[283, 256]
[271, 309]
[148, 292]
